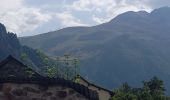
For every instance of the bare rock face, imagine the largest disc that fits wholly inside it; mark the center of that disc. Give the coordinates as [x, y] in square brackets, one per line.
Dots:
[9, 43]
[11, 91]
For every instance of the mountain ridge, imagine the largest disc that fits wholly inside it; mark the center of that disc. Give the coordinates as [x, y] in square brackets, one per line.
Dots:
[126, 49]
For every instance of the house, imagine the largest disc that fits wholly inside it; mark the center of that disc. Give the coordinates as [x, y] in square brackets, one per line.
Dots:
[104, 94]
[20, 82]
[13, 68]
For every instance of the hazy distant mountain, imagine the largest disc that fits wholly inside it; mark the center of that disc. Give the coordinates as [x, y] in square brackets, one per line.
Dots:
[9, 45]
[132, 47]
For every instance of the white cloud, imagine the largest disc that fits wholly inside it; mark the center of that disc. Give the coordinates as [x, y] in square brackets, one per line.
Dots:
[6, 5]
[99, 20]
[81, 5]
[19, 18]
[105, 10]
[116, 10]
[67, 19]
[89, 5]
[23, 17]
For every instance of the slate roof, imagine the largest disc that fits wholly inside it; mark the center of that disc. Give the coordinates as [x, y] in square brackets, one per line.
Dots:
[94, 85]
[11, 67]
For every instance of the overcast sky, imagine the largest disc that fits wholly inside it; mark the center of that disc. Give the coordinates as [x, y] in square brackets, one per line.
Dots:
[30, 17]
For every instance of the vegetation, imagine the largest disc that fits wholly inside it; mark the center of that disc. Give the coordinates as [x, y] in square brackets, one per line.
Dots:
[64, 66]
[152, 90]
[29, 72]
[24, 57]
[52, 72]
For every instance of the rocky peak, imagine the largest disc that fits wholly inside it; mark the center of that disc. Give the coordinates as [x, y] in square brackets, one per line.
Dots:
[3, 32]
[2, 29]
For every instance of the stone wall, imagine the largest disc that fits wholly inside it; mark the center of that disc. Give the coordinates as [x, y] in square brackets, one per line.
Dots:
[103, 95]
[13, 91]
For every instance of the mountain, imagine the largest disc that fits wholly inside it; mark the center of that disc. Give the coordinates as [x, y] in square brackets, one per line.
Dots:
[132, 47]
[10, 45]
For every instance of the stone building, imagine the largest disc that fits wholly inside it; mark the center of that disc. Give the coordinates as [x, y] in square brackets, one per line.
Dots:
[104, 94]
[19, 82]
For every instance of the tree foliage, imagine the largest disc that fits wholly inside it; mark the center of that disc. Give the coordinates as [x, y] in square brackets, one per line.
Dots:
[64, 66]
[151, 90]
[24, 56]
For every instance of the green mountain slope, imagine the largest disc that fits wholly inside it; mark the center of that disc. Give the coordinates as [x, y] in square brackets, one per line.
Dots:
[132, 47]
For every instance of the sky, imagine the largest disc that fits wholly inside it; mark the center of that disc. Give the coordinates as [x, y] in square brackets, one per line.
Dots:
[31, 17]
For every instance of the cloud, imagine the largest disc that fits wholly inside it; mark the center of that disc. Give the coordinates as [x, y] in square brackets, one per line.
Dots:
[89, 5]
[25, 16]
[108, 8]
[67, 19]
[99, 20]
[157, 3]
[23, 20]
[14, 4]
[113, 11]
[19, 18]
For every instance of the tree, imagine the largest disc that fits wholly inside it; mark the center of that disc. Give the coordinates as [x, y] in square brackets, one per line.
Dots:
[156, 88]
[151, 90]
[145, 94]
[124, 93]
[76, 62]
[69, 66]
[52, 72]
[66, 59]
[24, 57]
[125, 88]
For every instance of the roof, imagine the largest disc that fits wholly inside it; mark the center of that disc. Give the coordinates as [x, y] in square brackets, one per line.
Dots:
[11, 58]
[99, 87]
[7, 60]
